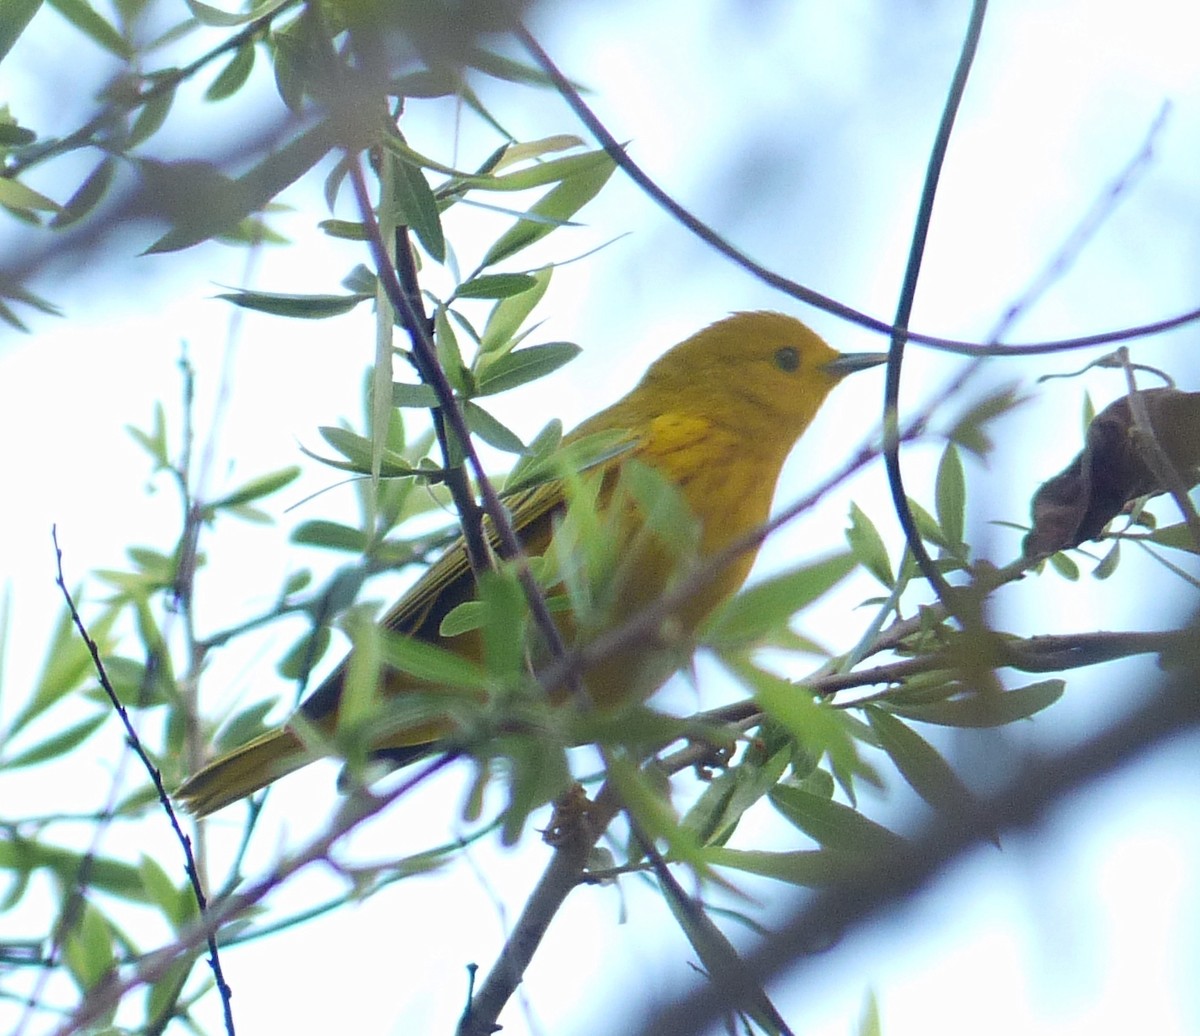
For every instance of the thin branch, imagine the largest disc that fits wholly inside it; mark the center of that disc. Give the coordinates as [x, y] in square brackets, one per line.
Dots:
[156, 778]
[358, 808]
[798, 291]
[891, 448]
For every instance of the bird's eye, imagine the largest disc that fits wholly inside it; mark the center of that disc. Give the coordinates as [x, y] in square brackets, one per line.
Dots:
[787, 358]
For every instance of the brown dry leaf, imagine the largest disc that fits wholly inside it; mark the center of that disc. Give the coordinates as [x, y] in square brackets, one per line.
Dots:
[1114, 469]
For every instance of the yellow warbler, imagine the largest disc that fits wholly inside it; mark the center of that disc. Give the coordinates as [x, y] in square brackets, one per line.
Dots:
[717, 416]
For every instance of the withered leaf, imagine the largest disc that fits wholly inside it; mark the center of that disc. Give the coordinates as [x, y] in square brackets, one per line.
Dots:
[1114, 469]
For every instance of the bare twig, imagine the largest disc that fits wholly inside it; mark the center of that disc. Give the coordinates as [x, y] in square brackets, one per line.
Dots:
[156, 779]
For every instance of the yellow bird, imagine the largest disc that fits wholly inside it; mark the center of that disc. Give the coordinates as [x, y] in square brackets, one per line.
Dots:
[717, 416]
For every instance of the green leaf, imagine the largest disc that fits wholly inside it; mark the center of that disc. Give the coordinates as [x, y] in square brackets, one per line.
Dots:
[418, 396]
[559, 205]
[984, 709]
[14, 16]
[495, 286]
[214, 16]
[257, 488]
[814, 724]
[357, 450]
[490, 430]
[1178, 537]
[59, 744]
[234, 75]
[87, 21]
[308, 650]
[928, 527]
[68, 662]
[867, 546]
[177, 905]
[509, 370]
[449, 355]
[745, 619]
[16, 195]
[715, 815]
[432, 664]
[150, 119]
[509, 314]
[88, 195]
[346, 230]
[470, 615]
[202, 203]
[416, 207]
[814, 868]
[331, 536]
[88, 949]
[1064, 566]
[302, 307]
[951, 495]
[869, 1023]
[834, 825]
[919, 763]
[505, 623]
[968, 429]
[515, 153]
[23, 855]
[1108, 563]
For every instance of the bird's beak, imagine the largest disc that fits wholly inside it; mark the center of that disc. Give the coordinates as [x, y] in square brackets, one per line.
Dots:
[848, 363]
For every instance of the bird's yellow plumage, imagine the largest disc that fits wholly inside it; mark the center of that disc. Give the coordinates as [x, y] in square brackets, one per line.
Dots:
[716, 416]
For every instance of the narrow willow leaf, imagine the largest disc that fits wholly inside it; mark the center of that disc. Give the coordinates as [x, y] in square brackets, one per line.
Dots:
[462, 618]
[257, 488]
[509, 370]
[418, 396]
[81, 14]
[57, 745]
[17, 195]
[920, 764]
[559, 205]
[1108, 563]
[715, 815]
[1178, 537]
[416, 207]
[491, 430]
[150, 119]
[88, 950]
[505, 623]
[951, 495]
[22, 856]
[331, 536]
[433, 664]
[514, 154]
[234, 75]
[754, 613]
[15, 16]
[344, 229]
[88, 195]
[985, 710]
[968, 429]
[928, 527]
[867, 546]
[509, 314]
[834, 825]
[809, 868]
[495, 286]
[302, 307]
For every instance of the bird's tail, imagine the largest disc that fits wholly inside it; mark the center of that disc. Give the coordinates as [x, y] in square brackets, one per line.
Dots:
[242, 772]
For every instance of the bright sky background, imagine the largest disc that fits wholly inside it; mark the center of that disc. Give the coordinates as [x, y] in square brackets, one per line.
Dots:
[800, 131]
